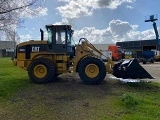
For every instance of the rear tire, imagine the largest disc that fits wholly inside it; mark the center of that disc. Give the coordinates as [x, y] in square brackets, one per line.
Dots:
[92, 70]
[41, 70]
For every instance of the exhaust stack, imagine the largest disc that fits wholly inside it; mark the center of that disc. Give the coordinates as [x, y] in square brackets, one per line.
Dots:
[42, 35]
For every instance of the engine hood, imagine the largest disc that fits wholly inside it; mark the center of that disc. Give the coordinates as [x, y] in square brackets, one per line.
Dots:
[32, 42]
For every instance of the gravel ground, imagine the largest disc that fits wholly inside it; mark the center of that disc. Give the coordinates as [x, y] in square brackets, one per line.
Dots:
[154, 70]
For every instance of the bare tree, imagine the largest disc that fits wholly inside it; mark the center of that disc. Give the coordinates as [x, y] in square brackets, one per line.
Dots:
[12, 13]
[9, 6]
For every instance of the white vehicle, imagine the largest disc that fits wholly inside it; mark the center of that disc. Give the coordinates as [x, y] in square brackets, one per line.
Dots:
[106, 54]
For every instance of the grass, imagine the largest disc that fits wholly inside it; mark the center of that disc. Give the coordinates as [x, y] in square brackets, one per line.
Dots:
[72, 100]
[12, 78]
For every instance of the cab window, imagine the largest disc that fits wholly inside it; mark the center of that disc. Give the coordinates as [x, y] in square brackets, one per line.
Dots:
[60, 37]
[49, 35]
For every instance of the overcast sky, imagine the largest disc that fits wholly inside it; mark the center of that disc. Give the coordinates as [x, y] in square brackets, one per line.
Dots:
[100, 21]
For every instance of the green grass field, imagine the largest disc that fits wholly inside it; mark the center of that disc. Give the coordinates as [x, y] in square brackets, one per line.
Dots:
[11, 78]
[72, 100]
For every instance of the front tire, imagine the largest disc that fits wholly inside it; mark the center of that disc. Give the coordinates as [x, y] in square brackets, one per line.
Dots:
[92, 70]
[41, 70]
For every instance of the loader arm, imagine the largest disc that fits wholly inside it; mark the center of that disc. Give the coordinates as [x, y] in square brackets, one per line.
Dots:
[109, 64]
[87, 49]
[93, 48]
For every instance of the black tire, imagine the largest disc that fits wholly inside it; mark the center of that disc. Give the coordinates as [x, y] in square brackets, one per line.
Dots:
[144, 62]
[152, 61]
[56, 75]
[45, 71]
[89, 65]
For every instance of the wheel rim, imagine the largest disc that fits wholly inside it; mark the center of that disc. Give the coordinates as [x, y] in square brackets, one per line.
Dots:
[40, 71]
[92, 70]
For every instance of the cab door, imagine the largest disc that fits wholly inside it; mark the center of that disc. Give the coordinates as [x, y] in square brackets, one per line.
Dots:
[60, 42]
[56, 40]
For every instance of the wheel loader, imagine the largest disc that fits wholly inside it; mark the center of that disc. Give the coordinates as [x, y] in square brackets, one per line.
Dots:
[46, 59]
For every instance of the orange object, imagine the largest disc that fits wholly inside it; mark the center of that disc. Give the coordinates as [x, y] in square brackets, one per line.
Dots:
[116, 52]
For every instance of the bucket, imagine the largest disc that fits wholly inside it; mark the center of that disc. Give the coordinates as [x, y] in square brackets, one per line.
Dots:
[130, 69]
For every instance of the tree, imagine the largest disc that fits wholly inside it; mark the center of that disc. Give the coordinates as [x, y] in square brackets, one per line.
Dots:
[8, 6]
[13, 13]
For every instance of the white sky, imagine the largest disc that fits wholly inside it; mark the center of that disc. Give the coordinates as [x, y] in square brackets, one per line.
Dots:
[100, 21]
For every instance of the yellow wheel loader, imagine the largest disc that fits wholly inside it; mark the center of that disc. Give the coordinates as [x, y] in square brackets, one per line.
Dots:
[45, 60]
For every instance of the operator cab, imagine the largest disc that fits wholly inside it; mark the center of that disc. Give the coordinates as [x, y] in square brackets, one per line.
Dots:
[60, 39]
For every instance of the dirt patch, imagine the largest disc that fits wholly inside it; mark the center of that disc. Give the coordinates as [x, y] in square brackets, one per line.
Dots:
[70, 99]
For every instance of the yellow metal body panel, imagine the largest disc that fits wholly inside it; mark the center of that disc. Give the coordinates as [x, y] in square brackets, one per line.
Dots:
[59, 60]
[62, 67]
[109, 65]
[20, 63]
[21, 56]
[32, 42]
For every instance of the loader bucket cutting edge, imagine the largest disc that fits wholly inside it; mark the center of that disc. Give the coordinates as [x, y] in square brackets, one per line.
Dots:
[130, 69]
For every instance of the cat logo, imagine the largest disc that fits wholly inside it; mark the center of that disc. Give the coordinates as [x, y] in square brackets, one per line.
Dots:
[35, 49]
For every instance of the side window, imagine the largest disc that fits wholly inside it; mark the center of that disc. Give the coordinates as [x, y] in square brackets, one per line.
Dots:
[49, 35]
[60, 37]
